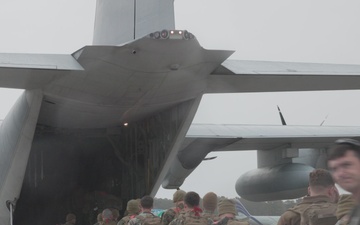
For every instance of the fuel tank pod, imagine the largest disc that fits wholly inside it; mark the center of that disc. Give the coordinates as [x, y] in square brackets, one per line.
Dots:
[285, 181]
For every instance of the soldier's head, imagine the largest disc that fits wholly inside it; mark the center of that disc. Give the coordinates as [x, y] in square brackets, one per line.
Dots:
[147, 202]
[178, 196]
[210, 201]
[343, 146]
[133, 207]
[226, 207]
[115, 213]
[99, 217]
[322, 183]
[70, 218]
[192, 199]
[344, 164]
[107, 216]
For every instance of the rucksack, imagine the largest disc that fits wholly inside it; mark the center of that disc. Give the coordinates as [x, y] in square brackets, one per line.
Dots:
[298, 210]
[126, 219]
[148, 219]
[230, 221]
[195, 220]
[176, 210]
[319, 214]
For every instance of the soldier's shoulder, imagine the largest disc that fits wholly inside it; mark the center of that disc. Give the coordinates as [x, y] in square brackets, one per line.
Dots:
[238, 222]
[170, 211]
[177, 221]
[296, 210]
[288, 217]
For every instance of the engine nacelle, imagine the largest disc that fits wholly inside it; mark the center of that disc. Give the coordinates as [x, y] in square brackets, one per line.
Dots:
[285, 181]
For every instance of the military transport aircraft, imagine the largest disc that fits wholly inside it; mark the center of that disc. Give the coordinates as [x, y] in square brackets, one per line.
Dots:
[112, 121]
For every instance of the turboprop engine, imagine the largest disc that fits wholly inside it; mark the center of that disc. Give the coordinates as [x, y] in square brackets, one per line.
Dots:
[284, 181]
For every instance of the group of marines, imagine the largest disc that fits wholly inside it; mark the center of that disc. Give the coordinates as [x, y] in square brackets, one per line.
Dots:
[186, 211]
[322, 206]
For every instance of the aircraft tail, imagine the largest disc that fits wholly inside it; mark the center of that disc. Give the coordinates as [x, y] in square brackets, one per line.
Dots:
[121, 21]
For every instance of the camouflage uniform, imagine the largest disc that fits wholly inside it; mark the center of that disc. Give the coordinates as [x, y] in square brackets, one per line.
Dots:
[70, 219]
[126, 219]
[172, 214]
[68, 223]
[107, 217]
[292, 216]
[231, 221]
[182, 217]
[108, 222]
[211, 215]
[139, 219]
[227, 213]
[210, 201]
[132, 209]
[99, 219]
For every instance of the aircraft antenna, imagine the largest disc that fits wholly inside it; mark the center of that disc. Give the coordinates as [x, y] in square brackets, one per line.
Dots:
[324, 120]
[281, 116]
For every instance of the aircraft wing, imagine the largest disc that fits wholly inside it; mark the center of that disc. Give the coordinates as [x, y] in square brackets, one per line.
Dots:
[275, 141]
[262, 76]
[30, 71]
[269, 137]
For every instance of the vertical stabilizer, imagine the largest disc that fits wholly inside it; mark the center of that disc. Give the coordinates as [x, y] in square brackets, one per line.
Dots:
[120, 21]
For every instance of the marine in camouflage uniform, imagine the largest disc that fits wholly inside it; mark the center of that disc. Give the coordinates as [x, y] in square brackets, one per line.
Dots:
[107, 217]
[133, 209]
[344, 162]
[209, 206]
[98, 219]
[192, 213]
[321, 190]
[172, 213]
[227, 212]
[116, 214]
[146, 204]
[70, 219]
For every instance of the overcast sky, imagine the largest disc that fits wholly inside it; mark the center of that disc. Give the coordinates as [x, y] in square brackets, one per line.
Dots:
[323, 31]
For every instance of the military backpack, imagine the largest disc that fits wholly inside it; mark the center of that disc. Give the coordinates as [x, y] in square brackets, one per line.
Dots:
[319, 214]
[148, 219]
[196, 220]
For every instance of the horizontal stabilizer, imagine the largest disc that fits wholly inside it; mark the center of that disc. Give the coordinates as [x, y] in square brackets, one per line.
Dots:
[31, 71]
[262, 76]
[39, 61]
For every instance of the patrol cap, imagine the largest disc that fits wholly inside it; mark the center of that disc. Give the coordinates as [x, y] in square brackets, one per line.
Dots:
[179, 196]
[348, 141]
[133, 207]
[226, 206]
[342, 146]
